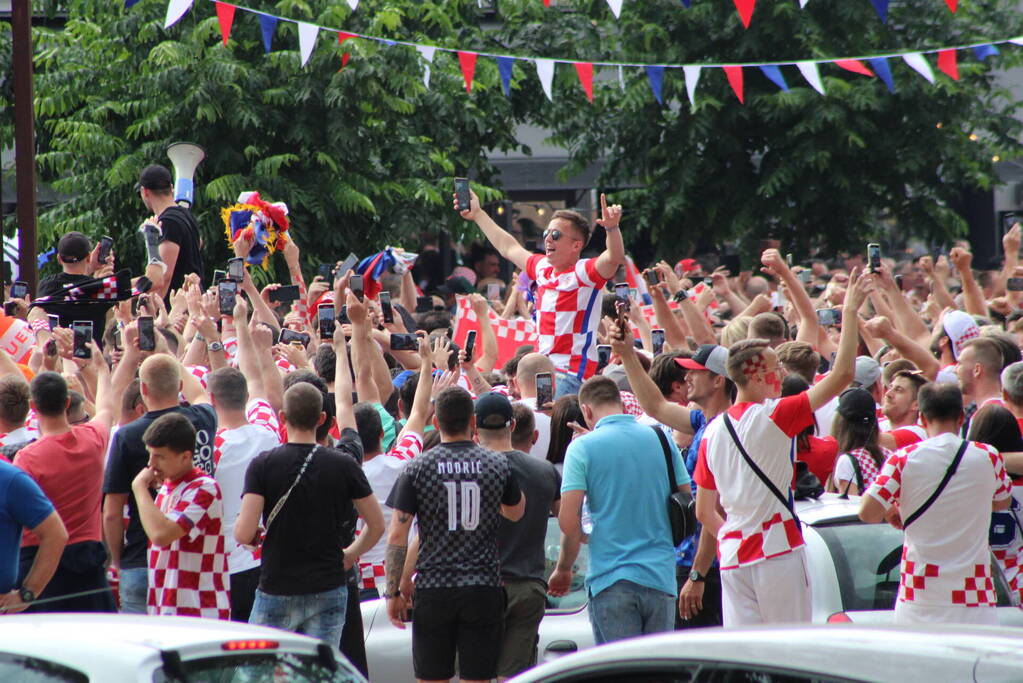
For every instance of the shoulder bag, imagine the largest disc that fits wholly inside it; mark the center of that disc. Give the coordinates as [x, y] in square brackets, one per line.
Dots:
[681, 505]
[284, 499]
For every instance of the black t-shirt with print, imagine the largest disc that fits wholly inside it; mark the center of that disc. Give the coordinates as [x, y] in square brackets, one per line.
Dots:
[456, 490]
[179, 226]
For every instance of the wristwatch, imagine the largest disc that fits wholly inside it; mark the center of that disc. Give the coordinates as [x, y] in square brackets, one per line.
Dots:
[25, 595]
[216, 346]
[695, 576]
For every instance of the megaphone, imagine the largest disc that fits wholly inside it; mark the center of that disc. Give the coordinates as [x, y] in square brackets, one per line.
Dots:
[185, 156]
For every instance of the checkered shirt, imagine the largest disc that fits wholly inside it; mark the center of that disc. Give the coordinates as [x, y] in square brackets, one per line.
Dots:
[567, 313]
[868, 468]
[944, 563]
[189, 577]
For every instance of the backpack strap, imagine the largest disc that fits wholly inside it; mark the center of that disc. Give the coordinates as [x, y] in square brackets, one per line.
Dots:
[672, 486]
[953, 466]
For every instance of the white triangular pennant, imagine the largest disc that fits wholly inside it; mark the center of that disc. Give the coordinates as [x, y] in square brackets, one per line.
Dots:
[1016, 41]
[616, 7]
[307, 34]
[353, 4]
[919, 64]
[621, 78]
[692, 74]
[427, 53]
[175, 10]
[811, 74]
[802, 3]
[545, 70]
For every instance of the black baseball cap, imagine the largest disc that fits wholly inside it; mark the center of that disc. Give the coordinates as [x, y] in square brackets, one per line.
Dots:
[857, 405]
[155, 177]
[493, 411]
[456, 285]
[74, 247]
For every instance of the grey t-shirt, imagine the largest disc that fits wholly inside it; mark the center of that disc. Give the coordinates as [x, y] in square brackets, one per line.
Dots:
[521, 543]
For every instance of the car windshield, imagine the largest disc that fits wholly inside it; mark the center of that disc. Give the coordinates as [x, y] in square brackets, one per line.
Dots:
[867, 561]
[576, 596]
[260, 667]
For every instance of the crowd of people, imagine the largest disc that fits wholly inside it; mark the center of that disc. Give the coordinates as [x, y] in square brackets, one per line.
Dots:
[276, 456]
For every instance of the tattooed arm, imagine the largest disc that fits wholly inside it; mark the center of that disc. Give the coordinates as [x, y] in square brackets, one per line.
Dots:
[394, 563]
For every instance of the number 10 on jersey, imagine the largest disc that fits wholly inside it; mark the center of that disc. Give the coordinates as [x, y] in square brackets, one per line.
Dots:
[464, 498]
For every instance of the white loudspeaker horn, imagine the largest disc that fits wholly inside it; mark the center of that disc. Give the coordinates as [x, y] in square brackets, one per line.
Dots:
[185, 156]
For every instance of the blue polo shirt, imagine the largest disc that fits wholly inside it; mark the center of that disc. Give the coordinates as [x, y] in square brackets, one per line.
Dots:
[620, 465]
[22, 505]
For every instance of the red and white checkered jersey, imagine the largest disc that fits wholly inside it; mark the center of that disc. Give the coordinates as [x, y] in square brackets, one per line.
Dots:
[567, 313]
[200, 372]
[233, 450]
[189, 577]
[908, 435]
[844, 470]
[757, 526]
[945, 562]
[381, 472]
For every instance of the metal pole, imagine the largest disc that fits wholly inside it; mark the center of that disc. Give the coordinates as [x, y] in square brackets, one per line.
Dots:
[24, 140]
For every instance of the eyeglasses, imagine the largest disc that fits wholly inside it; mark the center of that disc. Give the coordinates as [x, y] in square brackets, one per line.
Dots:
[554, 234]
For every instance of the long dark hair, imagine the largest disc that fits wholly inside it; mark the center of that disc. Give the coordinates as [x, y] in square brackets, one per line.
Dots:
[566, 409]
[852, 434]
[790, 386]
[996, 426]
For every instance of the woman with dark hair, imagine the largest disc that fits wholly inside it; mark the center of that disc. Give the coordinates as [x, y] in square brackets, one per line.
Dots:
[818, 453]
[855, 429]
[996, 426]
[566, 412]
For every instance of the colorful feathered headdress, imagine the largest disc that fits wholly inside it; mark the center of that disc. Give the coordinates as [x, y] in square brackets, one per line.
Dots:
[252, 218]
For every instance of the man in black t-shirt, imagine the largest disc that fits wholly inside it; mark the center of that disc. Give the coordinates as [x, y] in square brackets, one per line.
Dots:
[79, 263]
[458, 491]
[304, 494]
[161, 380]
[180, 244]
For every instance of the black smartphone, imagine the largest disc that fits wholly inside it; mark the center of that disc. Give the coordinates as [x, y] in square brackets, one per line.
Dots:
[789, 260]
[342, 317]
[83, 335]
[732, 264]
[544, 389]
[806, 276]
[106, 243]
[404, 342]
[898, 282]
[325, 270]
[147, 334]
[10, 308]
[327, 317]
[1014, 284]
[53, 321]
[350, 262]
[227, 292]
[385, 306]
[236, 269]
[680, 296]
[603, 355]
[622, 296]
[657, 339]
[829, 316]
[219, 276]
[424, 304]
[493, 290]
[151, 234]
[462, 194]
[285, 293]
[470, 344]
[289, 336]
[873, 256]
[1009, 219]
[19, 290]
[355, 284]
[652, 277]
[7, 272]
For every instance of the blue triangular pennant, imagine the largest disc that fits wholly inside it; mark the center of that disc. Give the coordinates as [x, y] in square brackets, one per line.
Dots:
[883, 71]
[267, 25]
[881, 6]
[687, 3]
[505, 66]
[655, 74]
[982, 52]
[773, 72]
[129, 3]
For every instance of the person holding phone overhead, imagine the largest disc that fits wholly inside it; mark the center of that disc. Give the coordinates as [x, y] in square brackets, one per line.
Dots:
[568, 286]
[79, 262]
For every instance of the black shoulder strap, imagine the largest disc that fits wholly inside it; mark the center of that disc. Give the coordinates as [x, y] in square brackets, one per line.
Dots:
[672, 486]
[760, 473]
[941, 487]
[858, 471]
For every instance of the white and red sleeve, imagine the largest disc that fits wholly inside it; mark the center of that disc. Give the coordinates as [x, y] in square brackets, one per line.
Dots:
[792, 414]
[407, 447]
[888, 484]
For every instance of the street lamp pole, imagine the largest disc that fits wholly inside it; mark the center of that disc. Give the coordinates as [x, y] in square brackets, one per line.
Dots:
[24, 140]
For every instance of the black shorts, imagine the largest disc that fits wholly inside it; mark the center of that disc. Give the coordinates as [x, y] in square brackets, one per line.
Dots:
[469, 620]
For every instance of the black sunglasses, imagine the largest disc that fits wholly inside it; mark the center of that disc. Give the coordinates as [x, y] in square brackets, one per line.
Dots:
[554, 234]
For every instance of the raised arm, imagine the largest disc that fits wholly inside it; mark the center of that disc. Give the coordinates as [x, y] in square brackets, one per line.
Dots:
[507, 245]
[973, 297]
[247, 362]
[920, 357]
[906, 319]
[1010, 245]
[673, 332]
[416, 422]
[363, 349]
[775, 265]
[490, 351]
[343, 383]
[614, 251]
[845, 362]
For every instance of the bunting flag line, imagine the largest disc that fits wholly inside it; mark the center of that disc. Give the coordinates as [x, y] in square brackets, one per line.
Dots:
[947, 57]
[745, 9]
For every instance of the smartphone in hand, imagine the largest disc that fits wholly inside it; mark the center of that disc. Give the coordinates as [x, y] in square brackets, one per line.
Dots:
[462, 194]
[147, 334]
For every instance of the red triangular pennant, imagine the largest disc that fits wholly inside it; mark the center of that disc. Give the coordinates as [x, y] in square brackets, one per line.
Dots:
[467, 60]
[585, 71]
[951, 4]
[225, 15]
[854, 65]
[948, 64]
[734, 74]
[546, 3]
[341, 38]
[745, 9]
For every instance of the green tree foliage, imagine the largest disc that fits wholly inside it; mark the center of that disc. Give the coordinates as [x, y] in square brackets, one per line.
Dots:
[812, 170]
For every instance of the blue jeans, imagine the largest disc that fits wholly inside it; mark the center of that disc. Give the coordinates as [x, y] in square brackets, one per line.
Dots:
[320, 615]
[626, 609]
[134, 589]
[566, 385]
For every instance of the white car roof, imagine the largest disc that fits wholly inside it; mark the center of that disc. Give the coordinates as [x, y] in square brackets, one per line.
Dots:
[828, 508]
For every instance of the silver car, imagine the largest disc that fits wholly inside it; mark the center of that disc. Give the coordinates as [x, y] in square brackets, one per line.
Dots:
[854, 570]
[798, 654]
